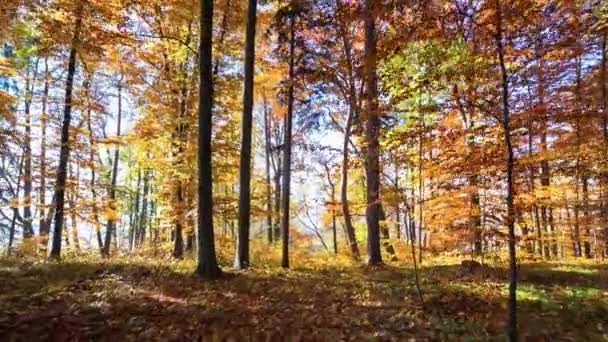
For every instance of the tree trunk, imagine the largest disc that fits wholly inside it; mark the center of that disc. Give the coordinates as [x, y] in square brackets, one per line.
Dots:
[111, 224]
[267, 148]
[512, 306]
[604, 174]
[11, 232]
[28, 230]
[92, 164]
[64, 154]
[348, 223]
[287, 144]
[277, 191]
[72, 198]
[241, 260]
[372, 122]
[420, 189]
[43, 223]
[143, 214]
[178, 246]
[352, 110]
[207, 261]
[133, 229]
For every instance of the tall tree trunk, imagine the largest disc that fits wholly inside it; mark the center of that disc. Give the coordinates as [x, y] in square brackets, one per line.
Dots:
[30, 81]
[353, 108]
[577, 246]
[111, 224]
[604, 174]
[207, 261]
[278, 172]
[143, 214]
[287, 145]
[512, 306]
[43, 223]
[420, 188]
[348, 223]
[241, 260]
[545, 177]
[332, 187]
[178, 246]
[372, 123]
[64, 154]
[133, 229]
[72, 198]
[397, 204]
[92, 163]
[267, 152]
[12, 227]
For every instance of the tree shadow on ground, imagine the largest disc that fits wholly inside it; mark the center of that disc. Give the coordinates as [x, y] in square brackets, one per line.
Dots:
[103, 301]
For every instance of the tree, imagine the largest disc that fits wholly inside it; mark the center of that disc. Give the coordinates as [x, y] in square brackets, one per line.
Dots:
[286, 187]
[372, 121]
[242, 254]
[512, 309]
[65, 136]
[111, 226]
[207, 261]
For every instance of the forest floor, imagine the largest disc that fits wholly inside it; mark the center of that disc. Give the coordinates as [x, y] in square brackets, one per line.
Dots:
[127, 299]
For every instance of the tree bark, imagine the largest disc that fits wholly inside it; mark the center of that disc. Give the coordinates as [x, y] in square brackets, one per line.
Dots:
[267, 152]
[352, 110]
[111, 224]
[11, 232]
[512, 305]
[72, 198]
[64, 154]
[287, 145]
[28, 230]
[604, 174]
[207, 261]
[348, 223]
[241, 260]
[43, 222]
[143, 214]
[133, 230]
[372, 122]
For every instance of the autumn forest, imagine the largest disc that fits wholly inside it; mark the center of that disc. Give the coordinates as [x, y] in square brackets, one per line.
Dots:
[299, 170]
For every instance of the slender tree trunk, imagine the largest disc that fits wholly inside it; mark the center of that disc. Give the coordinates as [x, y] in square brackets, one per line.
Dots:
[604, 174]
[277, 191]
[111, 224]
[577, 247]
[207, 261]
[372, 122]
[348, 223]
[397, 204]
[178, 245]
[287, 145]
[512, 306]
[64, 154]
[28, 230]
[133, 230]
[332, 187]
[545, 177]
[420, 190]
[267, 148]
[72, 198]
[12, 227]
[93, 184]
[352, 110]
[241, 260]
[143, 215]
[43, 223]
